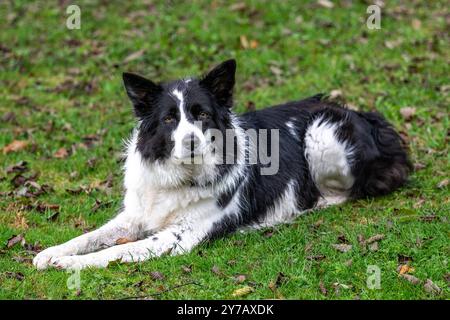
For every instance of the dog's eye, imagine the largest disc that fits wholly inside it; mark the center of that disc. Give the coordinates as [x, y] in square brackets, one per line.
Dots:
[203, 115]
[169, 119]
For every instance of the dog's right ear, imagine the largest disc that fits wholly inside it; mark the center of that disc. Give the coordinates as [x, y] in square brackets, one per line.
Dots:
[141, 91]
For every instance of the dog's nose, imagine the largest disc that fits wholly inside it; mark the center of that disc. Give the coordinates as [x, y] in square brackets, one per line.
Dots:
[191, 142]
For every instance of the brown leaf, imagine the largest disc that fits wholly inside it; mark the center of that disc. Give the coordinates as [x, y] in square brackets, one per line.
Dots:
[443, 183]
[244, 42]
[15, 275]
[431, 287]
[19, 167]
[317, 257]
[405, 268]
[410, 278]
[408, 112]
[16, 145]
[61, 153]
[240, 278]
[374, 247]
[123, 241]
[134, 56]
[342, 247]
[325, 4]
[15, 240]
[186, 269]
[419, 166]
[242, 291]
[156, 275]
[375, 238]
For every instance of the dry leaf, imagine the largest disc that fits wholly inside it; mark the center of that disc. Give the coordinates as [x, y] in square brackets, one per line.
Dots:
[15, 240]
[430, 287]
[342, 247]
[134, 56]
[14, 146]
[405, 268]
[244, 42]
[443, 183]
[408, 112]
[254, 44]
[156, 275]
[240, 278]
[375, 238]
[61, 153]
[325, 3]
[242, 291]
[410, 278]
[374, 247]
[337, 93]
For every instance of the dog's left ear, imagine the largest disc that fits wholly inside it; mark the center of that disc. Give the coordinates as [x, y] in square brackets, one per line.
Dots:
[220, 82]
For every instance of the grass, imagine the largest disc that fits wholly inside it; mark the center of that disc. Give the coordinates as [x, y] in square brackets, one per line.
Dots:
[62, 88]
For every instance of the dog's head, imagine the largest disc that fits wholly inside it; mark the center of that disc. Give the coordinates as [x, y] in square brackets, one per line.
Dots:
[175, 115]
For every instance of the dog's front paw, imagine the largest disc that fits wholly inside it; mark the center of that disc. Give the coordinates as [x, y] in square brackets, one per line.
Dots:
[44, 258]
[79, 262]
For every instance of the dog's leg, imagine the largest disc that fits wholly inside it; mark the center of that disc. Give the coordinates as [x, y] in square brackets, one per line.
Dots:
[174, 239]
[123, 226]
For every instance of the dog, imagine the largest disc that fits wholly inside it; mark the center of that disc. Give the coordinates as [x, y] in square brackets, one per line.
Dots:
[184, 186]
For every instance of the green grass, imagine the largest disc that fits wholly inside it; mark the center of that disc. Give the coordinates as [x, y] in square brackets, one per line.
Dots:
[63, 85]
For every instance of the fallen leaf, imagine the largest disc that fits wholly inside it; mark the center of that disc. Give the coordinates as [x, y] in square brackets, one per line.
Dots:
[431, 287]
[15, 275]
[443, 183]
[375, 238]
[334, 94]
[405, 268]
[15, 240]
[134, 56]
[242, 291]
[240, 278]
[19, 167]
[374, 247]
[325, 3]
[419, 166]
[123, 241]
[244, 42]
[186, 269]
[156, 275]
[408, 112]
[16, 145]
[317, 257]
[61, 153]
[342, 247]
[410, 278]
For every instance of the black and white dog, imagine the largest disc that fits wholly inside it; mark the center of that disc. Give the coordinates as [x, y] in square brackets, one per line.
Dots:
[195, 170]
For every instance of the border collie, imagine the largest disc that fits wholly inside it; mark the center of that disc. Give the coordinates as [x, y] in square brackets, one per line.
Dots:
[189, 177]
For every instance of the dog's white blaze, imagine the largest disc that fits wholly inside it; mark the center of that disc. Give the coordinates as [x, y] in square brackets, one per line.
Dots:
[184, 127]
[328, 159]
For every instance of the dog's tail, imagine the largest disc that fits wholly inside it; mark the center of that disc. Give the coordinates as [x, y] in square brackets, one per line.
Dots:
[385, 167]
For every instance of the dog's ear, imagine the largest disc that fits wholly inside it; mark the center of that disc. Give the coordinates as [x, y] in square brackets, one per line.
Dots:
[141, 91]
[220, 82]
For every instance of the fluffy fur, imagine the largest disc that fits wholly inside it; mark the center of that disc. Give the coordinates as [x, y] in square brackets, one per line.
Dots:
[180, 191]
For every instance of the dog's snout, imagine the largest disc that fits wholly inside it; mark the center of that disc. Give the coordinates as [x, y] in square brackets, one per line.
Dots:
[191, 142]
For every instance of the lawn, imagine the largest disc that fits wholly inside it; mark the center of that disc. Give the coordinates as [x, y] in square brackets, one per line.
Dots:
[64, 115]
